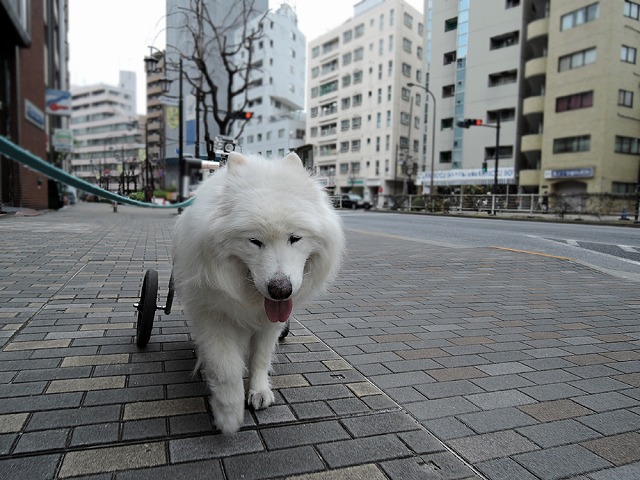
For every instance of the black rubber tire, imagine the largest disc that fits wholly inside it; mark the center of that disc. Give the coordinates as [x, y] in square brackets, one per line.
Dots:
[285, 331]
[147, 307]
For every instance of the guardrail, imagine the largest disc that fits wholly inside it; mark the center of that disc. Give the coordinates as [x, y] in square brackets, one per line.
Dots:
[598, 205]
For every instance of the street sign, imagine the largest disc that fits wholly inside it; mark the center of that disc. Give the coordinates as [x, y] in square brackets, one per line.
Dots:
[58, 102]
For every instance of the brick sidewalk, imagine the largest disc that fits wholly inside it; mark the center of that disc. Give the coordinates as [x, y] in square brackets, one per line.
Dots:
[524, 366]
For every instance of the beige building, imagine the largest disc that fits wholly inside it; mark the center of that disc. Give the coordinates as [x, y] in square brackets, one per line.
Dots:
[560, 77]
[364, 122]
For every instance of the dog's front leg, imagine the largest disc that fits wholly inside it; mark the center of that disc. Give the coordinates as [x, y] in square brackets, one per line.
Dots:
[224, 365]
[262, 345]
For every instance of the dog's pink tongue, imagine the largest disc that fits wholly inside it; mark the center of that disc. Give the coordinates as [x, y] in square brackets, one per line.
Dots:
[278, 311]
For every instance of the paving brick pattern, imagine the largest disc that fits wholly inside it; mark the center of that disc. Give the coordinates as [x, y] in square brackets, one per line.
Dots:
[422, 362]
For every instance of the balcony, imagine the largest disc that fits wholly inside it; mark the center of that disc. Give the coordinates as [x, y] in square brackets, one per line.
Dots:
[533, 105]
[529, 178]
[535, 67]
[538, 28]
[531, 143]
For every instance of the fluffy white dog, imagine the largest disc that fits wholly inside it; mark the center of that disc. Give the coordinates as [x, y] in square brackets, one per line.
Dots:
[260, 237]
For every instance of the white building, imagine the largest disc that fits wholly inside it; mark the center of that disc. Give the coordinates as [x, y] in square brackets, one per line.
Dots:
[365, 122]
[107, 134]
[276, 94]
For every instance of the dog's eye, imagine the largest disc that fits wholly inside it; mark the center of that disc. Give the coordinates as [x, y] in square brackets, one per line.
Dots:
[256, 242]
[294, 238]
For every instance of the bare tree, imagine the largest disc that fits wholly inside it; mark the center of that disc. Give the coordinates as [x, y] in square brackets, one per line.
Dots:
[219, 59]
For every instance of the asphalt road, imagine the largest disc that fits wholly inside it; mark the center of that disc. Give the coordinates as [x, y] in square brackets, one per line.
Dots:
[614, 250]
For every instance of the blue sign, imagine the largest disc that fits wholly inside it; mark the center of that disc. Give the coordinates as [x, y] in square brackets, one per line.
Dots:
[34, 115]
[586, 172]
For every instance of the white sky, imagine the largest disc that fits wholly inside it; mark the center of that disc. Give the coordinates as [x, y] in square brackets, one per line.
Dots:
[108, 36]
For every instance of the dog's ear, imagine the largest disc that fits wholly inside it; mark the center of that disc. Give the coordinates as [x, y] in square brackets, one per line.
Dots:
[235, 160]
[292, 160]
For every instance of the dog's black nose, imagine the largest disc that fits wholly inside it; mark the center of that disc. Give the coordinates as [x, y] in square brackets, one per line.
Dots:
[279, 288]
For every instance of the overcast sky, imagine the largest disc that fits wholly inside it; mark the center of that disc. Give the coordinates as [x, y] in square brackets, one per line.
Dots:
[108, 36]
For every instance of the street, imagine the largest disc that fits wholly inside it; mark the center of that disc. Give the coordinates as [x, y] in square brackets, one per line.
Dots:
[433, 356]
[612, 249]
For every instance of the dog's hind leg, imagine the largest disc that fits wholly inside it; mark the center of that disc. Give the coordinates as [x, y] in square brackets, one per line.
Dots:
[261, 349]
[224, 365]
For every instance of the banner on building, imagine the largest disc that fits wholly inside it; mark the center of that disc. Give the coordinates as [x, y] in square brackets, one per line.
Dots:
[467, 176]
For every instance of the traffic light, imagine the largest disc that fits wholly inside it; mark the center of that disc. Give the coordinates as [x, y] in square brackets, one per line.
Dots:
[242, 115]
[484, 167]
[470, 122]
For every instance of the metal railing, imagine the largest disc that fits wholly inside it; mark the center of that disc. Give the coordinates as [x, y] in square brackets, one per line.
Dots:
[624, 206]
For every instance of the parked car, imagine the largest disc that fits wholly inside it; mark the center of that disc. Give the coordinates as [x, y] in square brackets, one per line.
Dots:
[350, 200]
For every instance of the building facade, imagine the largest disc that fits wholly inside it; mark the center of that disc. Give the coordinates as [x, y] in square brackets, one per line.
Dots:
[276, 89]
[108, 147]
[364, 121]
[33, 58]
[561, 78]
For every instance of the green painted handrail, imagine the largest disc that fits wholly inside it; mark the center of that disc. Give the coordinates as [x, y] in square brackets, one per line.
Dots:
[20, 155]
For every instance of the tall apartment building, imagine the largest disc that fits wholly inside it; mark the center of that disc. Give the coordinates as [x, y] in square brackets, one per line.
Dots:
[276, 92]
[107, 134]
[155, 120]
[561, 79]
[364, 122]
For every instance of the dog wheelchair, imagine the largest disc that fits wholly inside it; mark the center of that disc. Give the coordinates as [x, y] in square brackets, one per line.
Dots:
[148, 305]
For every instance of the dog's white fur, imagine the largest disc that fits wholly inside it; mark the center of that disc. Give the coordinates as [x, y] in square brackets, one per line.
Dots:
[253, 221]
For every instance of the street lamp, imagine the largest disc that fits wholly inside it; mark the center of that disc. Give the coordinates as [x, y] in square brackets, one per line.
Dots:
[433, 134]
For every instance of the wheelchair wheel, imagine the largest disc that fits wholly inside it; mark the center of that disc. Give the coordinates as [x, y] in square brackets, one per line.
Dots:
[285, 331]
[147, 307]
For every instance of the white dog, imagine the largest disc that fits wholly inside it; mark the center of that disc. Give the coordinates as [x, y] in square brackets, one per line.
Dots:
[260, 237]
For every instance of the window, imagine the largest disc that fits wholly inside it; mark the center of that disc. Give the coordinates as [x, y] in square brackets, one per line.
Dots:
[330, 46]
[377, 144]
[344, 147]
[504, 40]
[627, 145]
[445, 157]
[344, 125]
[406, 70]
[628, 54]
[346, 81]
[406, 45]
[451, 24]
[356, 122]
[632, 10]
[344, 168]
[314, 133]
[359, 30]
[347, 36]
[406, 94]
[346, 59]
[446, 123]
[574, 102]
[577, 59]
[357, 76]
[448, 91]
[355, 145]
[388, 118]
[358, 53]
[315, 51]
[314, 112]
[379, 96]
[404, 118]
[419, 52]
[345, 103]
[315, 71]
[505, 115]
[328, 87]
[623, 188]
[505, 151]
[357, 100]
[579, 17]
[314, 92]
[326, 150]
[355, 167]
[625, 98]
[572, 144]
[408, 20]
[329, 67]
[512, 3]
[328, 130]
[449, 57]
[503, 78]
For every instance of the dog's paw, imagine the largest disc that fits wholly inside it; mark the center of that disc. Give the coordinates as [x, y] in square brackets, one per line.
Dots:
[259, 399]
[228, 420]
